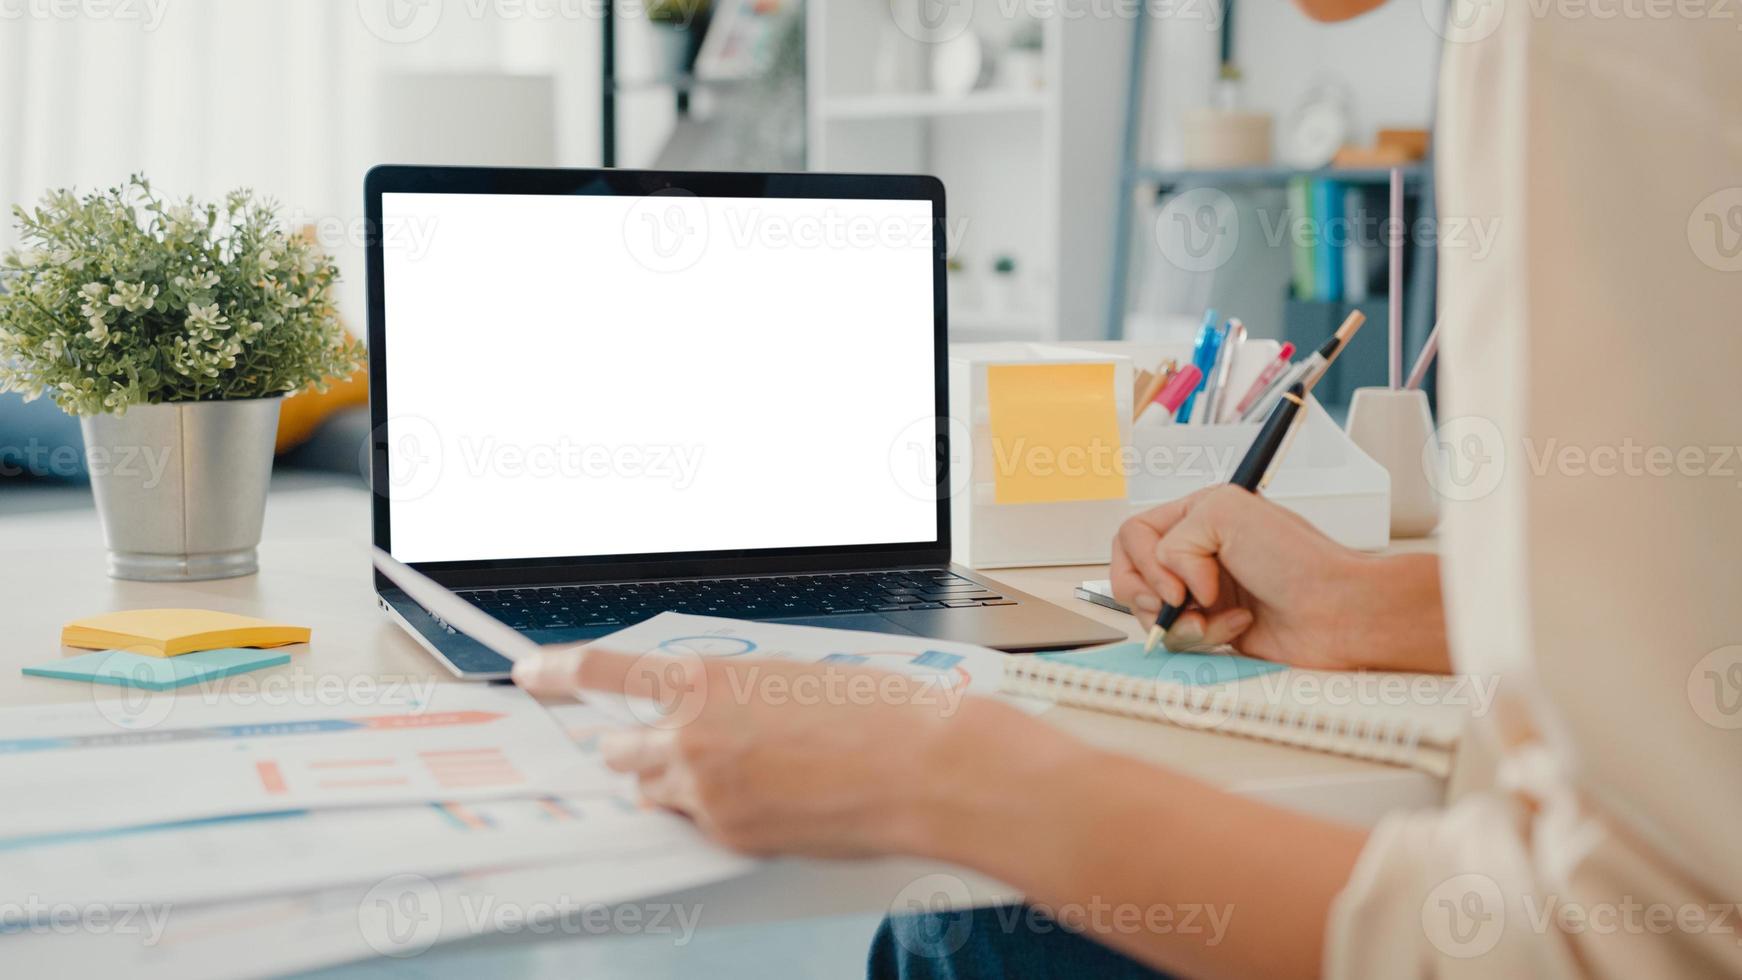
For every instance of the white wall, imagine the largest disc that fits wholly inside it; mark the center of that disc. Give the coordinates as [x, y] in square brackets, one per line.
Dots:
[283, 96]
[1388, 59]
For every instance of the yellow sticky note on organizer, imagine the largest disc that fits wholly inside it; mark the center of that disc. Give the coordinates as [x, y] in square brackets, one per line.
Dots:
[1055, 433]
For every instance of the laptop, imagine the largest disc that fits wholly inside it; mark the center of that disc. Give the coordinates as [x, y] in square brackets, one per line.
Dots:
[598, 395]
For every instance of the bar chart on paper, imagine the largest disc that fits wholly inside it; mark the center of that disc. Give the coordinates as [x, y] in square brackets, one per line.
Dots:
[234, 857]
[81, 767]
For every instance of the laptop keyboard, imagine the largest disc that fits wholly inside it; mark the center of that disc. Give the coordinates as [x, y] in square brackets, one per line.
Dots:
[622, 604]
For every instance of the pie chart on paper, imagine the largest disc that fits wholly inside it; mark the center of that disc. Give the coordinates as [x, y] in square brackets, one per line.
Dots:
[708, 646]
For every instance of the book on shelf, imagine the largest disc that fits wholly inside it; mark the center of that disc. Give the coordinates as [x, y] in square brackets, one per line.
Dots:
[1330, 231]
[1300, 241]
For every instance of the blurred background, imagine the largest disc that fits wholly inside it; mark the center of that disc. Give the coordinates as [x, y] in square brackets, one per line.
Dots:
[1113, 166]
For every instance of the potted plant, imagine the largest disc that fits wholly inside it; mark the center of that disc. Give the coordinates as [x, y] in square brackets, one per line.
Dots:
[172, 330]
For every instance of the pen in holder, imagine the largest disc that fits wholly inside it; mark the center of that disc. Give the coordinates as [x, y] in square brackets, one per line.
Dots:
[1393, 424]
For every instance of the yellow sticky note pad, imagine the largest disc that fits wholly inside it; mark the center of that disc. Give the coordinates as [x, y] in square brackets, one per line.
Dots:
[1055, 433]
[171, 632]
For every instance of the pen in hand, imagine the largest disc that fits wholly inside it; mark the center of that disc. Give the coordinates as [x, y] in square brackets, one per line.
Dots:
[1255, 467]
[1251, 475]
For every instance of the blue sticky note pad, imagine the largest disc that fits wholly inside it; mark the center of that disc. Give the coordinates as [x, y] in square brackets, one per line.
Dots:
[1129, 660]
[157, 673]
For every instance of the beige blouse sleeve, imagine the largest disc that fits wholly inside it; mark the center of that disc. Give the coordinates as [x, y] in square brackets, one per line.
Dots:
[1590, 171]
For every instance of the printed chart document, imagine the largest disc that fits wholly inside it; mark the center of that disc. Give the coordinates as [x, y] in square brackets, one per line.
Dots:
[412, 824]
[94, 766]
[236, 857]
[242, 857]
[953, 670]
[401, 916]
[954, 667]
[204, 899]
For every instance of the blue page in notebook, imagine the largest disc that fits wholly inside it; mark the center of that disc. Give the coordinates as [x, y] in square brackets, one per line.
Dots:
[1129, 660]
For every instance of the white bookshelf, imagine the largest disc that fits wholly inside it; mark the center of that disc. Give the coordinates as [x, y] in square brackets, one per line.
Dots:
[1029, 172]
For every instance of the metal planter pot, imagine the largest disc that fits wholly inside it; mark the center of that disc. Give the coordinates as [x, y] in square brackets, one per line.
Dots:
[181, 487]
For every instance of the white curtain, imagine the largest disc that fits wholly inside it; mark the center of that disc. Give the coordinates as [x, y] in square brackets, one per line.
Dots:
[284, 96]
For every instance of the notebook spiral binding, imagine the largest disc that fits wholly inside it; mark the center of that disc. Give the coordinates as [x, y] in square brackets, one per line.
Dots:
[1219, 709]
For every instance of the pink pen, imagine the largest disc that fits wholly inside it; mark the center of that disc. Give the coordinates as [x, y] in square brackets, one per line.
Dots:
[1268, 375]
[1173, 394]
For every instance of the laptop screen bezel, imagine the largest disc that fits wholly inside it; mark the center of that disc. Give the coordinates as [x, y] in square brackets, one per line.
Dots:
[600, 568]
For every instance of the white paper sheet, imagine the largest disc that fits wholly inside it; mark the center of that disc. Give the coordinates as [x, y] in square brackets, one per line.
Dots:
[238, 857]
[400, 916]
[393, 881]
[955, 669]
[955, 666]
[248, 856]
[413, 875]
[89, 766]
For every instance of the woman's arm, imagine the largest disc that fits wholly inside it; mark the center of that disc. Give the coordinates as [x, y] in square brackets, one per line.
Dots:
[1399, 623]
[1172, 872]
[1175, 873]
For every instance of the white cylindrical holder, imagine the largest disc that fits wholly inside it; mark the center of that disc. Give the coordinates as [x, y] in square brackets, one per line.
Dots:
[1392, 425]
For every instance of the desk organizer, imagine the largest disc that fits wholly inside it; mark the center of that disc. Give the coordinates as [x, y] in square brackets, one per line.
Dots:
[1324, 477]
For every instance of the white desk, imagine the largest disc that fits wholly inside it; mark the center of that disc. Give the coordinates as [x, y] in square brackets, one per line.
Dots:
[315, 571]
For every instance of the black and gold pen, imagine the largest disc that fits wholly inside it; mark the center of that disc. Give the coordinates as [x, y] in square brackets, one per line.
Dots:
[1251, 475]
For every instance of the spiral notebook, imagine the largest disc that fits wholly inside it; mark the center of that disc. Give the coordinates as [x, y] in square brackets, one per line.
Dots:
[1403, 719]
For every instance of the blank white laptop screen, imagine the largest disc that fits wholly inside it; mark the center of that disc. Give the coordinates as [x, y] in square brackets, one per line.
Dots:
[598, 375]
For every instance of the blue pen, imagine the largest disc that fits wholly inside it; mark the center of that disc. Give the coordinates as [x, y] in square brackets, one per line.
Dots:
[1204, 357]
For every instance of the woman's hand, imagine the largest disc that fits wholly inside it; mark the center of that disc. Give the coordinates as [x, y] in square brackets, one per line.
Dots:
[764, 763]
[773, 757]
[1271, 585]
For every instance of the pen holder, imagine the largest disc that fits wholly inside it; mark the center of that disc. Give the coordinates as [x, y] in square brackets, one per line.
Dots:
[1323, 476]
[1392, 425]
